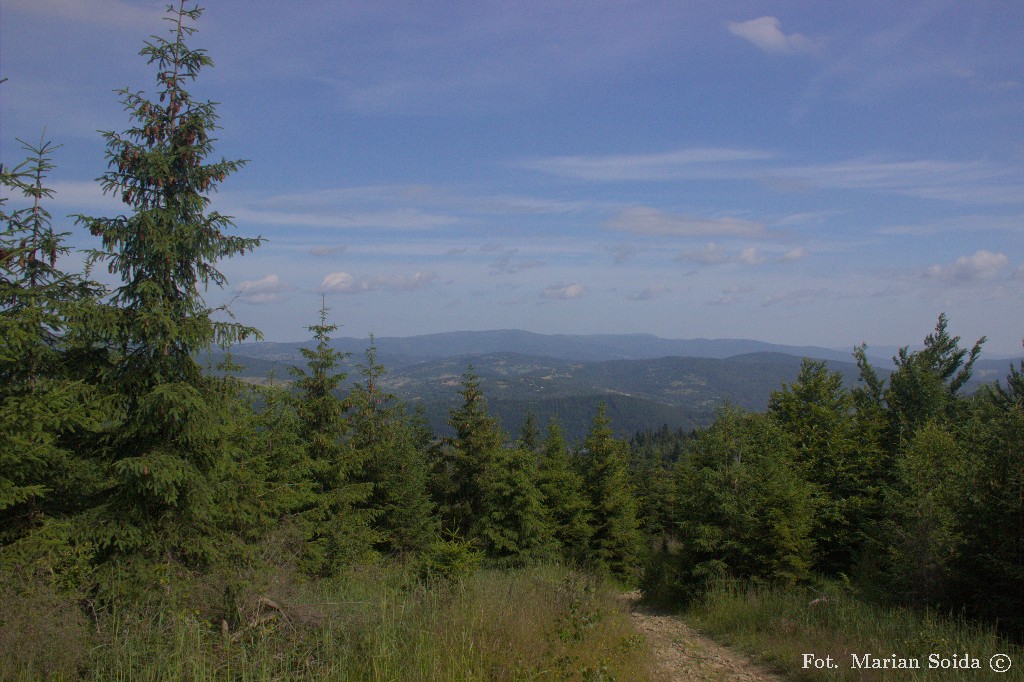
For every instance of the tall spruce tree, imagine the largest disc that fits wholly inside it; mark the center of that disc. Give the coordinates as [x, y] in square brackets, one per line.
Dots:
[40, 402]
[817, 414]
[926, 532]
[337, 522]
[512, 527]
[465, 459]
[926, 383]
[990, 574]
[617, 545]
[745, 507]
[161, 455]
[567, 506]
[395, 464]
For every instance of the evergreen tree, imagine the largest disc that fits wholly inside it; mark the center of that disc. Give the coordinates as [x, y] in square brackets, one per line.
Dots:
[263, 480]
[41, 403]
[817, 413]
[567, 506]
[395, 465]
[465, 459]
[989, 577]
[745, 507]
[338, 523]
[616, 545]
[162, 454]
[529, 433]
[925, 532]
[923, 391]
[652, 456]
[925, 385]
[512, 526]
[487, 492]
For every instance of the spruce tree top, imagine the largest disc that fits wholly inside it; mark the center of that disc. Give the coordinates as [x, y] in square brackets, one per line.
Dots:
[168, 245]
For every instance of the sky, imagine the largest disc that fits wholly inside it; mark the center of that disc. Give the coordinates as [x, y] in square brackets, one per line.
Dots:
[799, 172]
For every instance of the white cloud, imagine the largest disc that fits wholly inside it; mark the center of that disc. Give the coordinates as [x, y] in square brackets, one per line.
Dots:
[793, 255]
[343, 282]
[506, 265]
[327, 250]
[961, 181]
[103, 12]
[971, 181]
[399, 219]
[648, 293]
[750, 256]
[730, 296]
[715, 254]
[681, 163]
[84, 195]
[957, 223]
[651, 221]
[983, 265]
[563, 293]
[266, 290]
[798, 297]
[711, 254]
[766, 33]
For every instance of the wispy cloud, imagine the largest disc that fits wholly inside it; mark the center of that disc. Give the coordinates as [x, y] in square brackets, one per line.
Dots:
[269, 289]
[622, 253]
[508, 264]
[730, 296]
[711, 254]
[682, 163]
[399, 219]
[958, 224]
[962, 181]
[794, 255]
[651, 221]
[715, 254]
[346, 283]
[797, 297]
[750, 256]
[766, 33]
[85, 196]
[648, 293]
[328, 250]
[94, 12]
[982, 265]
[972, 181]
[564, 292]
[483, 57]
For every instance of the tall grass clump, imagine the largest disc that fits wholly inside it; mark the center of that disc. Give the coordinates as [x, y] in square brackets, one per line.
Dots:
[381, 622]
[780, 625]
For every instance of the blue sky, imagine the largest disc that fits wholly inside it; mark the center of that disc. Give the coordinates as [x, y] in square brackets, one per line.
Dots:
[798, 172]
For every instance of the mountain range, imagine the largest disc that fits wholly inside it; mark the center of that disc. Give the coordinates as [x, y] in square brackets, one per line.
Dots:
[645, 381]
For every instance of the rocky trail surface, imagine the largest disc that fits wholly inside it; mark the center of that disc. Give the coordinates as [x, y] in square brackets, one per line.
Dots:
[683, 654]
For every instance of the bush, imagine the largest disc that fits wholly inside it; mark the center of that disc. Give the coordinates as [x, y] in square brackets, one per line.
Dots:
[449, 559]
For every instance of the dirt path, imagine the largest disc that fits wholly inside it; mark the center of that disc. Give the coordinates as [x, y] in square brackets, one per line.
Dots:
[684, 655]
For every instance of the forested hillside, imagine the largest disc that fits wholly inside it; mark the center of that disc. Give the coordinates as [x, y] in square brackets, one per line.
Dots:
[142, 492]
[641, 393]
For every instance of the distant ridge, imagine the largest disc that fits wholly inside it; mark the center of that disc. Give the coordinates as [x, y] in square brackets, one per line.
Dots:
[578, 347]
[645, 381]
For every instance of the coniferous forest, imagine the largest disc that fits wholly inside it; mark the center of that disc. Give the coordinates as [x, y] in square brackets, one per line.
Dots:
[154, 511]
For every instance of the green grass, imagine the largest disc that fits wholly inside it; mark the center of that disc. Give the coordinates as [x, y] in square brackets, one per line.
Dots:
[778, 626]
[376, 623]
